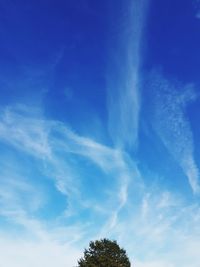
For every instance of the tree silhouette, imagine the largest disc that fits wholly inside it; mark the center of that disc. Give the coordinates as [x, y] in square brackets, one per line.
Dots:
[104, 253]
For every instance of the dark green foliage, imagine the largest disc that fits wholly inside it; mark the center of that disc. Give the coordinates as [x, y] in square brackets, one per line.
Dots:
[104, 253]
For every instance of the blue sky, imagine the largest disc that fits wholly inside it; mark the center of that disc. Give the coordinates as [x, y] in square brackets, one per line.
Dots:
[99, 130]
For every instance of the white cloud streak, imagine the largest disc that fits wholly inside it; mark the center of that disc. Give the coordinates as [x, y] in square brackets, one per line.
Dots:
[153, 229]
[48, 252]
[53, 145]
[161, 227]
[123, 82]
[171, 123]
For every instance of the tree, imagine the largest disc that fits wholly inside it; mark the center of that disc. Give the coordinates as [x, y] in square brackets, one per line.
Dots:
[104, 253]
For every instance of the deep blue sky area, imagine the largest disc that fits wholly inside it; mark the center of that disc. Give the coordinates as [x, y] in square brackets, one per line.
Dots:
[172, 37]
[99, 130]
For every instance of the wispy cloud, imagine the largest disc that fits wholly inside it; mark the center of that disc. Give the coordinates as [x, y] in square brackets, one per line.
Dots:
[157, 231]
[159, 223]
[159, 228]
[172, 125]
[56, 149]
[123, 82]
[17, 253]
[21, 127]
